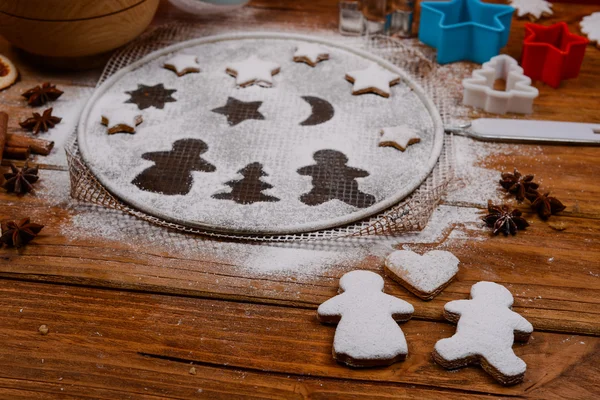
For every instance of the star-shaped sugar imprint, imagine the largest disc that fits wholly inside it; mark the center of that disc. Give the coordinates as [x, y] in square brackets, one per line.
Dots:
[373, 79]
[252, 71]
[535, 9]
[238, 111]
[399, 137]
[120, 120]
[311, 53]
[182, 64]
[151, 96]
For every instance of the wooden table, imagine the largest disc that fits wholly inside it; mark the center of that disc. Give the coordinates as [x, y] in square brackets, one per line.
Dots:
[128, 320]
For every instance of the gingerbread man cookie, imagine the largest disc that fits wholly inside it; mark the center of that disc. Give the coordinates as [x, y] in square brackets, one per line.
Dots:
[367, 334]
[486, 331]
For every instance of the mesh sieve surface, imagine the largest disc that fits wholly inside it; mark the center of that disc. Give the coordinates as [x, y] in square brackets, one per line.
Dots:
[411, 214]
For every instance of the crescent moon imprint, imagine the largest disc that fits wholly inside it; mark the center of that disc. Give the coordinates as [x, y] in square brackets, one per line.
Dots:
[322, 111]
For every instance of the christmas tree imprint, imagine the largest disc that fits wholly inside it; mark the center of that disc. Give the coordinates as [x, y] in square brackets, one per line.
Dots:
[172, 172]
[249, 189]
[333, 179]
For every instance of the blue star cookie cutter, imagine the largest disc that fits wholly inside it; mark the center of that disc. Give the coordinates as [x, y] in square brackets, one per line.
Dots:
[465, 29]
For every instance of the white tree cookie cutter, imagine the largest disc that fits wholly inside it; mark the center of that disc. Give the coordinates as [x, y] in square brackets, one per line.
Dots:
[517, 98]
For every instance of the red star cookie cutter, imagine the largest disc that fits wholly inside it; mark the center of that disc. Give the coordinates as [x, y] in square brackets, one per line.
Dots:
[552, 53]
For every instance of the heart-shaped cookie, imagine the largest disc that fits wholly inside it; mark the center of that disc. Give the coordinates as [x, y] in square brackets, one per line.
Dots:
[424, 275]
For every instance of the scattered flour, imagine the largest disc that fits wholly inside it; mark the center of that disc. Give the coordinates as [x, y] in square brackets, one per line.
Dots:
[117, 160]
[68, 107]
[449, 226]
[455, 223]
[475, 183]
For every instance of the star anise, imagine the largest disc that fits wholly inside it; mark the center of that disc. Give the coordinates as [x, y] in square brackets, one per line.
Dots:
[501, 219]
[544, 204]
[40, 95]
[518, 184]
[18, 234]
[40, 122]
[20, 180]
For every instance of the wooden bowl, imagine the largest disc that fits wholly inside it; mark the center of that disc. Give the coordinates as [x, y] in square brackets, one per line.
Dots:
[73, 28]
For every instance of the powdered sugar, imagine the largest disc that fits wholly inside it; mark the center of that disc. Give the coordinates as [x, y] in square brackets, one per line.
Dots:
[307, 259]
[426, 272]
[451, 225]
[68, 107]
[279, 142]
[366, 331]
[87, 222]
[486, 328]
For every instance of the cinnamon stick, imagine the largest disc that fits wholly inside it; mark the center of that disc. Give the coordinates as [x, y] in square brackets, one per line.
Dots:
[16, 153]
[37, 146]
[3, 130]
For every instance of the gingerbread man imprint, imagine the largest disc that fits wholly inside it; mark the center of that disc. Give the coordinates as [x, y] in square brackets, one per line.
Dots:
[485, 333]
[367, 333]
[333, 179]
[172, 172]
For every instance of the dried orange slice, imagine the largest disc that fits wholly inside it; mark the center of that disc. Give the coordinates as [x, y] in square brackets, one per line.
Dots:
[8, 72]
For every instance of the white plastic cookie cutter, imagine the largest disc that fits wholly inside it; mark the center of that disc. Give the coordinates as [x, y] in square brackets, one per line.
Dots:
[517, 98]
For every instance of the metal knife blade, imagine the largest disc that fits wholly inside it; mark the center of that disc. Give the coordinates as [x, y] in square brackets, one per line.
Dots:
[520, 130]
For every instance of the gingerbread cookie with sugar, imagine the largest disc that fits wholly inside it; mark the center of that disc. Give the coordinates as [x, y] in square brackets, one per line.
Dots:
[532, 9]
[367, 333]
[590, 26]
[398, 137]
[182, 64]
[252, 71]
[486, 330]
[373, 79]
[311, 54]
[423, 275]
[120, 120]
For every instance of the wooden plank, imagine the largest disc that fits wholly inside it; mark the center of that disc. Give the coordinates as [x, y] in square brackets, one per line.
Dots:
[30, 73]
[112, 342]
[564, 171]
[553, 278]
